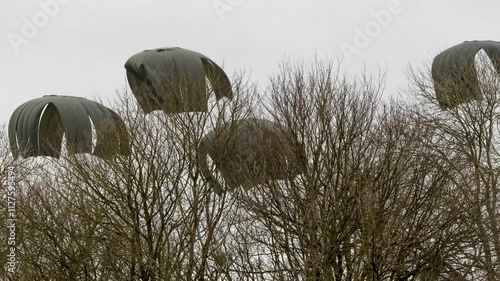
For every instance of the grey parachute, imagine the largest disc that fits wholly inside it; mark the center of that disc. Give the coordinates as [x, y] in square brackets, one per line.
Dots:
[249, 152]
[455, 75]
[174, 80]
[37, 127]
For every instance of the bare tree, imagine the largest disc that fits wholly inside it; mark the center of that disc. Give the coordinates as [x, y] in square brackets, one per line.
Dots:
[375, 191]
[468, 144]
[146, 216]
[372, 203]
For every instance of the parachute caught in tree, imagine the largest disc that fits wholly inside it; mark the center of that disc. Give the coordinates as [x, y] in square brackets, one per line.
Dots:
[174, 80]
[249, 152]
[37, 127]
[455, 74]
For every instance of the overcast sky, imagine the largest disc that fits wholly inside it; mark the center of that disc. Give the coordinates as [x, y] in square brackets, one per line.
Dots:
[77, 47]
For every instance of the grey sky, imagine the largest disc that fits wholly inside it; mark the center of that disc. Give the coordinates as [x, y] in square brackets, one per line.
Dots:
[80, 49]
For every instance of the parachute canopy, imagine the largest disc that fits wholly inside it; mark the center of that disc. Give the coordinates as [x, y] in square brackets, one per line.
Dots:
[248, 152]
[174, 80]
[455, 75]
[36, 128]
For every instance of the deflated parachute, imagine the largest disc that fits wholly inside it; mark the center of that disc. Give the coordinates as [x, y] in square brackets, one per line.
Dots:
[174, 80]
[248, 152]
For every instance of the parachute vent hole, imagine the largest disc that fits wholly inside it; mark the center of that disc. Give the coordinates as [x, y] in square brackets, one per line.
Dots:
[166, 49]
[208, 85]
[39, 122]
[486, 72]
[94, 135]
[483, 64]
[64, 148]
[17, 141]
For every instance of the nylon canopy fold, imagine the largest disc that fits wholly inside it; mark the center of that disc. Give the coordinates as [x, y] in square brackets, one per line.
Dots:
[174, 80]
